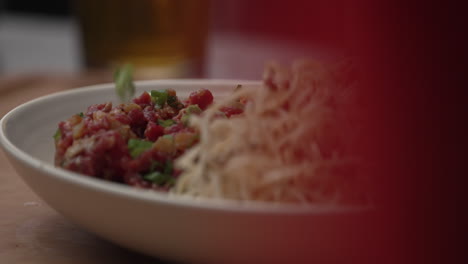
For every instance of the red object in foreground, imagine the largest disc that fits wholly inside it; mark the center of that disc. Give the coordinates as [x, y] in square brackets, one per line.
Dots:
[230, 111]
[153, 131]
[203, 98]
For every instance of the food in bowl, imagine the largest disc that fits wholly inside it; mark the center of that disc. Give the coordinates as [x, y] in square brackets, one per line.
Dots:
[288, 141]
[134, 143]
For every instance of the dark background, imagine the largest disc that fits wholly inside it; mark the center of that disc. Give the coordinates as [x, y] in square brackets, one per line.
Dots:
[299, 21]
[58, 8]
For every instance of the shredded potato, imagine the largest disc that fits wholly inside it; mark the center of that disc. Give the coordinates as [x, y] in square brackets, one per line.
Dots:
[290, 145]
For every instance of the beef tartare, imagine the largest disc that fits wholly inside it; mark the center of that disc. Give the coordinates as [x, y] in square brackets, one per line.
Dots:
[133, 143]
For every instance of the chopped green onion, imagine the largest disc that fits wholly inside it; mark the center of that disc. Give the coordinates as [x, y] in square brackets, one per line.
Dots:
[124, 82]
[81, 114]
[159, 97]
[138, 146]
[157, 177]
[168, 168]
[185, 119]
[193, 109]
[172, 100]
[166, 123]
[169, 136]
[58, 134]
[161, 178]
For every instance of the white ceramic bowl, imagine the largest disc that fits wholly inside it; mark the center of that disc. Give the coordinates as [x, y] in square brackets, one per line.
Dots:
[150, 222]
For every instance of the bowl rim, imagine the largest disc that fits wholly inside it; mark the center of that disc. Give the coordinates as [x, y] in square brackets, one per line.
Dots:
[150, 196]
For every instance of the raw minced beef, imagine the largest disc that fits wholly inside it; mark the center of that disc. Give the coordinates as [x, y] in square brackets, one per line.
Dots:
[133, 143]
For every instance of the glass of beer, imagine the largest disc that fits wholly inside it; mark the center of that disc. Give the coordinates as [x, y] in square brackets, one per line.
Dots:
[160, 38]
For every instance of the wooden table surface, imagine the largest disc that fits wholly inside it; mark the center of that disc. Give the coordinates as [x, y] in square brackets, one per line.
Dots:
[31, 231]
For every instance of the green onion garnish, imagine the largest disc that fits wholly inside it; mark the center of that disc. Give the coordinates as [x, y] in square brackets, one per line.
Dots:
[138, 146]
[57, 135]
[157, 177]
[172, 100]
[159, 97]
[169, 167]
[124, 82]
[166, 123]
[169, 136]
[185, 119]
[193, 109]
[161, 178]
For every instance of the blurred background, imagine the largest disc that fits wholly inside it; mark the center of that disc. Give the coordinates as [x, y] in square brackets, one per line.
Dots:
[229, 38]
